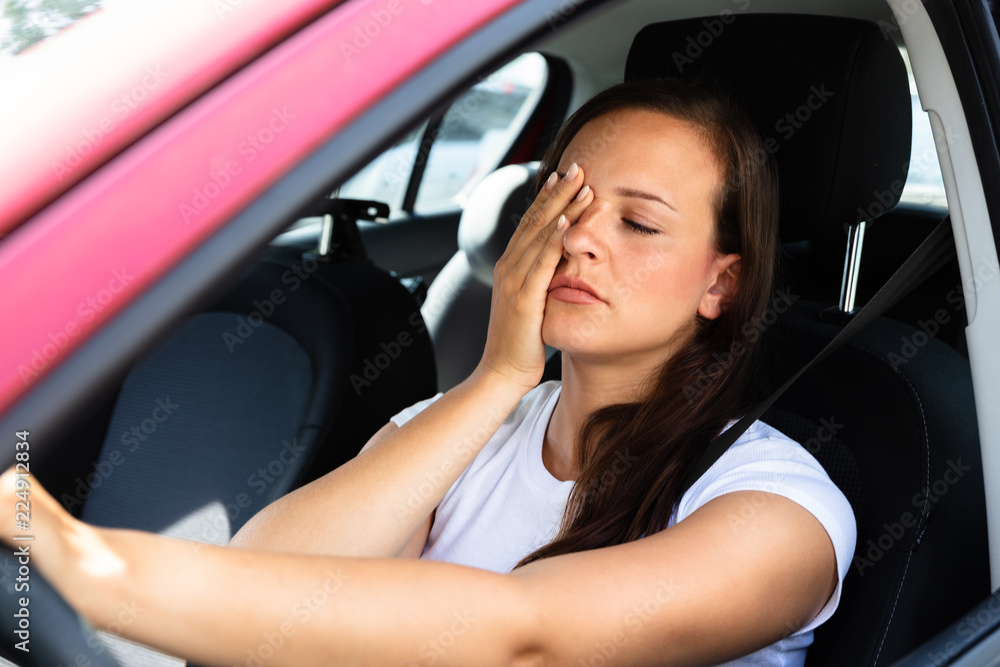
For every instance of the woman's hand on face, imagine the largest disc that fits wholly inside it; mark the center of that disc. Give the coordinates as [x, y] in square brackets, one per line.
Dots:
[521, 278]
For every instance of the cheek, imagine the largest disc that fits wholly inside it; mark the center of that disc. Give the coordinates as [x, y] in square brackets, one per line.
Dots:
[661, 288]
[652, 276]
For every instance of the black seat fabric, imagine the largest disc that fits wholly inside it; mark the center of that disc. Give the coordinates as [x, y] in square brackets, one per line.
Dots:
[909, 428]
[280, 381]
[392, 364]
[896, 431]
[224, 415]
[830, 96]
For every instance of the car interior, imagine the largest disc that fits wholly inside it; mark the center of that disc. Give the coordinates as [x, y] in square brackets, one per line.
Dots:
[379, 297]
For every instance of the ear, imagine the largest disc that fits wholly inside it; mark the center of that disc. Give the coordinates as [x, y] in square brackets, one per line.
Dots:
[720, 291]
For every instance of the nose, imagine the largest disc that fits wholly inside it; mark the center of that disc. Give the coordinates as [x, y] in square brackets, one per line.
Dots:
[585, 237]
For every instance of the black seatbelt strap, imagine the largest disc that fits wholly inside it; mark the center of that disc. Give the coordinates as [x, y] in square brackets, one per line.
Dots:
[935, 252]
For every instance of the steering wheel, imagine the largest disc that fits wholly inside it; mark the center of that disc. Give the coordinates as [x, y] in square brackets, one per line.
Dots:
[57, 634]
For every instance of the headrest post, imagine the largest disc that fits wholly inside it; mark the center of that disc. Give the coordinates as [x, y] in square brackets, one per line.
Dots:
[852, 266]
[326, 237]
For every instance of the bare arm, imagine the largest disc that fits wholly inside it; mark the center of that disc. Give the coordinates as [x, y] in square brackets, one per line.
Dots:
[376, 503]
[700, 592]
[379, 503]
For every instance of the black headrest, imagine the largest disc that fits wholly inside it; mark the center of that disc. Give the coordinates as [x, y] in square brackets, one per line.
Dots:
[830, 96]
[491, 214]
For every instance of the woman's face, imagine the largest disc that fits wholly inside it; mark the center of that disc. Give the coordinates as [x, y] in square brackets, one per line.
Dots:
[645, 244]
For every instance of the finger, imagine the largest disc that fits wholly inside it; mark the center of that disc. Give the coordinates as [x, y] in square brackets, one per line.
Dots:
[544, 193]
[574, 210]
[540, 271]
[541, 243]
[552, 200]
[534, 270]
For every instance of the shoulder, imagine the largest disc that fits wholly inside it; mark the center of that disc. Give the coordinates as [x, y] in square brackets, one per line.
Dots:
[533, 401]
[764, 459]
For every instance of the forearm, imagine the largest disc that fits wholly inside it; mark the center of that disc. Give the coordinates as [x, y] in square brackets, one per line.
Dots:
[373, 504]
[214, 605]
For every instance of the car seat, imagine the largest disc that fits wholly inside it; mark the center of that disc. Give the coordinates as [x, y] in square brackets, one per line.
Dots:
[457, 307]
[268, 388]
[896, 430]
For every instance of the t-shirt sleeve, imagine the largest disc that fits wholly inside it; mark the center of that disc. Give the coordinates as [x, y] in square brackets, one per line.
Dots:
[409, 413]
[764, 459]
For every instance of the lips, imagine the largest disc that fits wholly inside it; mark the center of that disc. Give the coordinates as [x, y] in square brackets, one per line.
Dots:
[572, 289]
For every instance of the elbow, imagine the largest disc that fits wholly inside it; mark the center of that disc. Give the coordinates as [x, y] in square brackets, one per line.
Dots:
[253, 534]
[526, 645]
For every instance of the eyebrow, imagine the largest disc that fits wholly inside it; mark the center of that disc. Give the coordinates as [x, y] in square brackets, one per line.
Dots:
[642, 194]
[636, 194]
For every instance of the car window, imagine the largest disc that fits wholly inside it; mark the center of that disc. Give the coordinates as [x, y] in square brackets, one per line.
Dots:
[924, 183]
[385, 178]
[478, 130]
[473, 136]
[25, 22]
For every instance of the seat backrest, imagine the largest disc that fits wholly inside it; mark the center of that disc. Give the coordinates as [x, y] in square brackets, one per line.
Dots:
[457, 307]
[224, 415]
[830, 96]
[280, 381]
[898, 434]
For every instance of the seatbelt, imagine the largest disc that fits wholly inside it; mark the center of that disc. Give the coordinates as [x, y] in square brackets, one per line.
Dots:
[934, 253]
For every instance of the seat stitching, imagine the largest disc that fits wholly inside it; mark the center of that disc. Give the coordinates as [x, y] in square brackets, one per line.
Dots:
[927, 472]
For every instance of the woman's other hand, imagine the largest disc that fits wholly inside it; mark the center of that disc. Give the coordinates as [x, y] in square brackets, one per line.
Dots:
[26, 508]
[514, 347]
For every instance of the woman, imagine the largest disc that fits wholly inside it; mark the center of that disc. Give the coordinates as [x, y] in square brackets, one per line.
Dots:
[645, 255]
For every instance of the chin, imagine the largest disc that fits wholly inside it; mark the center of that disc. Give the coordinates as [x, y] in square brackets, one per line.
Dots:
[574, 335]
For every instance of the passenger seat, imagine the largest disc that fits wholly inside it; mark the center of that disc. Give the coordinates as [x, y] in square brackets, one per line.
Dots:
[457, 307]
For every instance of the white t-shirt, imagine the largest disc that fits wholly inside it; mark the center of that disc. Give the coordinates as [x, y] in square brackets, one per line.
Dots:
[506, 504]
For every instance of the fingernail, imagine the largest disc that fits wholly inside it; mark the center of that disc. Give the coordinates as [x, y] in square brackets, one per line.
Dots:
[551, 182]
[561, 223]
[584, 191]
[572, 172]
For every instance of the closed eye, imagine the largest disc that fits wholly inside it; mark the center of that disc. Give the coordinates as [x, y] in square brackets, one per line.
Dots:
[639, 229]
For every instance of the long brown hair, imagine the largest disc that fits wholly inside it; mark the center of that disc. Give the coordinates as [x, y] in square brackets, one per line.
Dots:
[708, 381]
